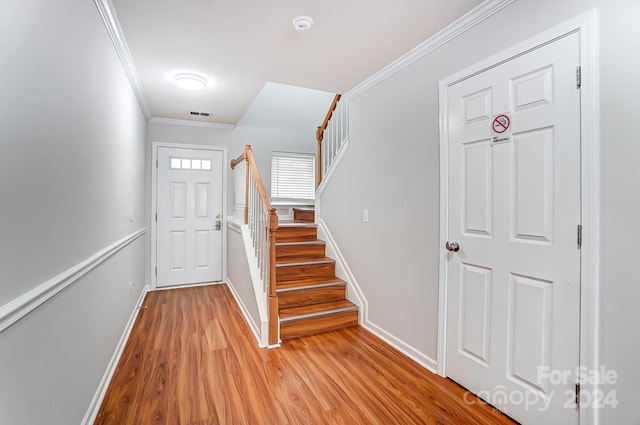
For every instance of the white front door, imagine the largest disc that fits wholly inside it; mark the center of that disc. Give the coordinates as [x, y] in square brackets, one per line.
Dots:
[189, 220]
[513, 287]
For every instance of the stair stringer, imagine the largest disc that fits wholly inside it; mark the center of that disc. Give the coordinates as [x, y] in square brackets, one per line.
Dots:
[332, 168]
[261, 329]
[354, 293]
[356, 296]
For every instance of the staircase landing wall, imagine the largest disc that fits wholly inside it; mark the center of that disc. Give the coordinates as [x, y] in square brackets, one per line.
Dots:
[242, 280]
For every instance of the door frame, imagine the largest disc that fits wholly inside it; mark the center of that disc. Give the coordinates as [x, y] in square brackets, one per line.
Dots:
[590, 327]
[154, 205]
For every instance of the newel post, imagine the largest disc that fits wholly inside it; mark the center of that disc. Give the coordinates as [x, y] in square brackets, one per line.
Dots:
[319, 137]
[274, 325]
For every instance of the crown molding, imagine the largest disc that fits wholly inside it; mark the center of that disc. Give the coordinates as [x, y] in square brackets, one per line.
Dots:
[453, 30]
[110, 19]
[188, 123]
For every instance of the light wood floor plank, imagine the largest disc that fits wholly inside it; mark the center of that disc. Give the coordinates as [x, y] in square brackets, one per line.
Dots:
[192, 360]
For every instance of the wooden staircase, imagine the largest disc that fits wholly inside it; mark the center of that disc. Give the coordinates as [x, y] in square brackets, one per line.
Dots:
[311, 299]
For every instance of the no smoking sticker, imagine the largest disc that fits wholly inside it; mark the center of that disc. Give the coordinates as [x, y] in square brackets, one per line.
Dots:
[501, 128]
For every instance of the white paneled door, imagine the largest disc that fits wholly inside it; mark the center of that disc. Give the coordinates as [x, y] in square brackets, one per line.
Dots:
[513, 260]
[189, 221]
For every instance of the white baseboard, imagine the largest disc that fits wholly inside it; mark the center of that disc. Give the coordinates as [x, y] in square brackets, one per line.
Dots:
[96, 402]
[187, 285]
[408, 350]
[354, 293]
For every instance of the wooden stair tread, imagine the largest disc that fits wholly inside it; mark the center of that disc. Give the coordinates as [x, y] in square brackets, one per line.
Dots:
[311, 299]
[297, 297]
[313, 310]
[294, 238]
[309, 283]
[296, 232]
[295, 249]
[318, 324]
[301, 242]
[304, 214]
[291, 261]
[296, 223]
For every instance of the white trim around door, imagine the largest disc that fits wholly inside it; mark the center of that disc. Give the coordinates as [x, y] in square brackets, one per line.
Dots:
[587, 27]
[154, 186]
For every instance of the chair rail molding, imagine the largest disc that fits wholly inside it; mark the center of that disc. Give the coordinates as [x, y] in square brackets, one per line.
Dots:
[19, 307]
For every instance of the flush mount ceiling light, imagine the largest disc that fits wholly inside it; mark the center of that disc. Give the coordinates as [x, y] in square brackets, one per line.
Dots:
[191, 81]
[302, 23]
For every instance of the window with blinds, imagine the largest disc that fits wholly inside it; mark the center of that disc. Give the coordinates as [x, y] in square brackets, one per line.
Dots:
[293, 176]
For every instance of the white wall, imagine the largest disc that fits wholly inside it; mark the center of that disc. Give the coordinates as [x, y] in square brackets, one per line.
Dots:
[281, 118]
[391, 168]
[620, 202]
[239, 277]
[71, 168]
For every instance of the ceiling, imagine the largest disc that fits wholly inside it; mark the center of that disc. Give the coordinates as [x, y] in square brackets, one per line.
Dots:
[239, 46]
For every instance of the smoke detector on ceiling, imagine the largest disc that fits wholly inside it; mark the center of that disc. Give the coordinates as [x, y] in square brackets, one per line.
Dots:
[303, 23]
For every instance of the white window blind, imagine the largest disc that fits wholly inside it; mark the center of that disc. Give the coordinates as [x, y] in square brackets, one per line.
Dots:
[293, 175]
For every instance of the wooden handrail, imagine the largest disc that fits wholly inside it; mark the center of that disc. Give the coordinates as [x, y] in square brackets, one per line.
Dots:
[237, 161]
[320, 137]
[327, 118]
[248, 156]
[252, 170]
[247, 148]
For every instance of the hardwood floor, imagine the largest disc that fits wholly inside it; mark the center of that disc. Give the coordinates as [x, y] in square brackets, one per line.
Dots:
[192, 360]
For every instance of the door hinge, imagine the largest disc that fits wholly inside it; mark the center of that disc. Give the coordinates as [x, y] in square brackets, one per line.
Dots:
[156, 216]
[579, 236]
[577, 396]
[156, 163]
[578, 77]
[156, 270]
